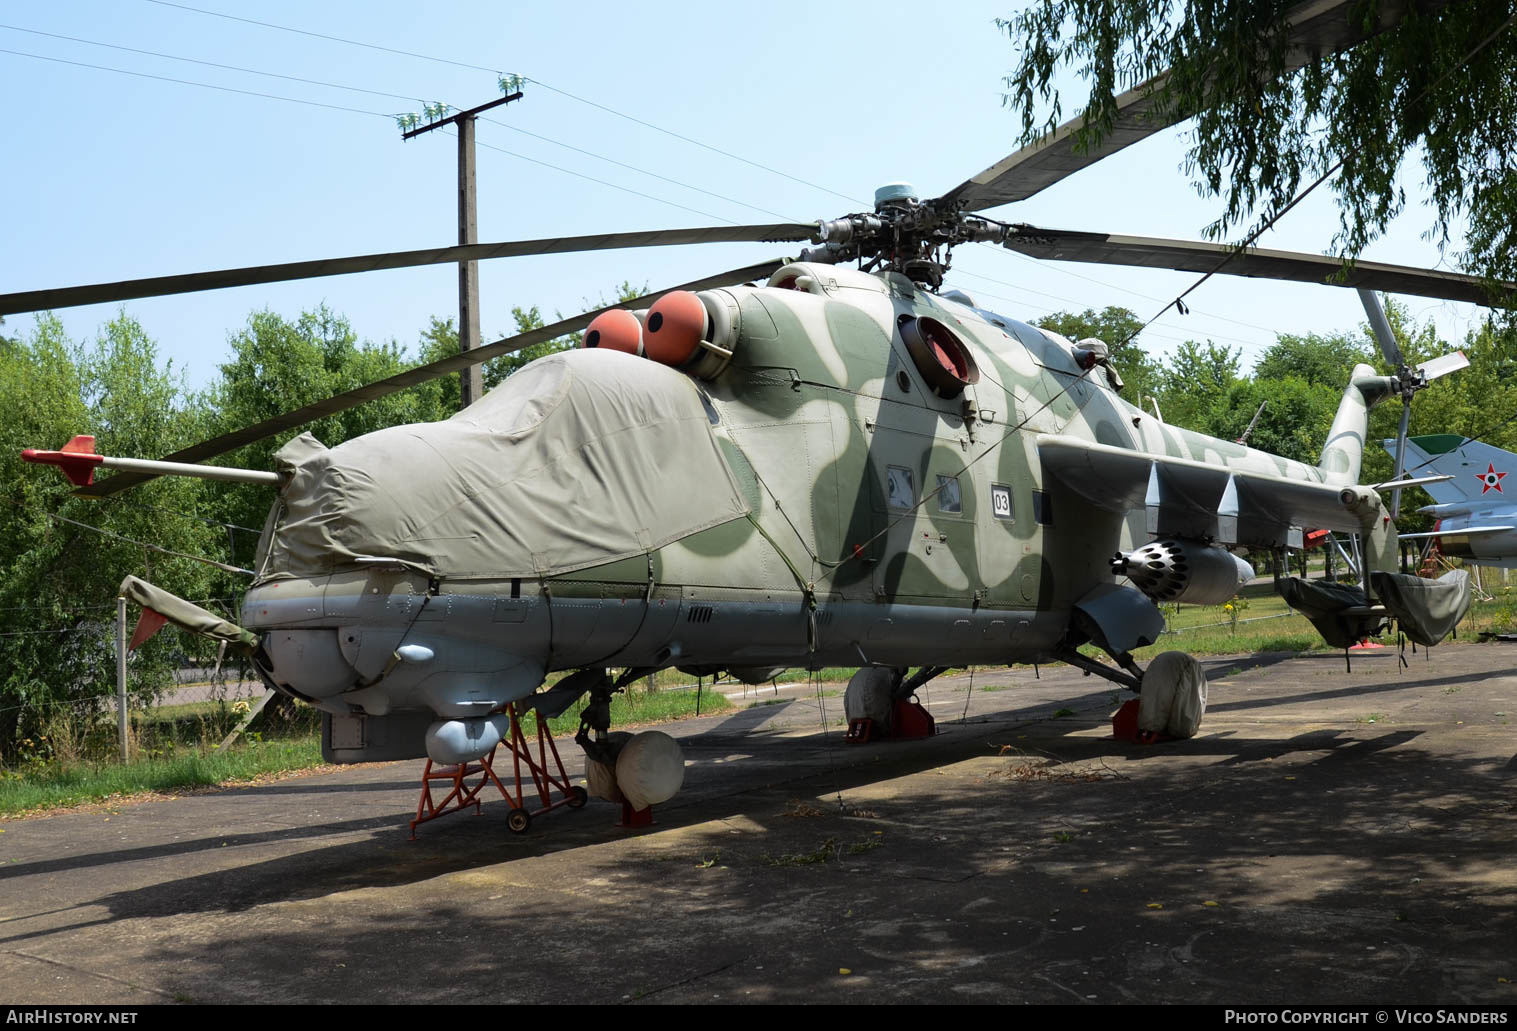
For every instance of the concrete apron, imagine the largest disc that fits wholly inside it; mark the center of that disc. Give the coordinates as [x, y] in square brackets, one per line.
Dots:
[1328, 836]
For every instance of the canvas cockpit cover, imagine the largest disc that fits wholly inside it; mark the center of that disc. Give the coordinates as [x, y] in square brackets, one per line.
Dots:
[579, 459]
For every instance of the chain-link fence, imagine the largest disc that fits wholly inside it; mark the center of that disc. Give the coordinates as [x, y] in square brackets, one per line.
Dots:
[182, 691]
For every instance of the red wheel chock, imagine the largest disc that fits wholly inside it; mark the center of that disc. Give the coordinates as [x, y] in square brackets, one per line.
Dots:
[1124, 725]
[908, 721]
[635, 817]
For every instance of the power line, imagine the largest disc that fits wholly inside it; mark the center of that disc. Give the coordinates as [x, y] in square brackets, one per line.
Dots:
[333, 39]
[213, 64]
[602, 182]
[202, 85]
[496, 71]
[392, 96]
[187, 515]
[1067, 300]
[698, 143]
[353, 110]
[644, 171]
[224, 567]
[1044, 264]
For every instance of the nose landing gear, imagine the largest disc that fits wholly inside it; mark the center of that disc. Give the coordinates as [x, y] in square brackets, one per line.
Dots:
[467, 780]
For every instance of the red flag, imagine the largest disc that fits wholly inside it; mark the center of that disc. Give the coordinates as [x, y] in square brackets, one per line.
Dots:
[148, 624]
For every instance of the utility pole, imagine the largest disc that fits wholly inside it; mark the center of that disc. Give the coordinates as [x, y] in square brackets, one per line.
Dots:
[471, 380]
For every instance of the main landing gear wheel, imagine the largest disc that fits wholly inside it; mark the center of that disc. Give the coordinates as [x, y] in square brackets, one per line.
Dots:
[578, 796]
[518, 820]
[1173, 698]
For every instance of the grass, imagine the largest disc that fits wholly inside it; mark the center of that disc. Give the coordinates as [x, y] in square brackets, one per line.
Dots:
[176, 748]
[50, 785]
[634, 707]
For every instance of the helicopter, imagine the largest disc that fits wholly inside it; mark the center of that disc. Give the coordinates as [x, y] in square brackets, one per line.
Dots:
[794, 464]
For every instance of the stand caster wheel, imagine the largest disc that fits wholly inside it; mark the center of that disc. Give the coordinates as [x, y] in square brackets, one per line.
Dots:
[518, 820]
[578, 796]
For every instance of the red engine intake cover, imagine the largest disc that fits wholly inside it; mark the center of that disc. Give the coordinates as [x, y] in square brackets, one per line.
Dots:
[676, 326]
[615, 330]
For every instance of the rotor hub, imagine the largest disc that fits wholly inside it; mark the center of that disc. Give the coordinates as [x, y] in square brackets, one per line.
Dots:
[903, 234]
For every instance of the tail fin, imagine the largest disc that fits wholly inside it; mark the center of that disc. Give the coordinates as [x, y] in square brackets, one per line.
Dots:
[1478, 470]
[1343, 453]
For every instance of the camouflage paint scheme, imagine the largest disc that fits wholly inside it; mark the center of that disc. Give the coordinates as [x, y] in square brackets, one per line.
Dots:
[820, 413]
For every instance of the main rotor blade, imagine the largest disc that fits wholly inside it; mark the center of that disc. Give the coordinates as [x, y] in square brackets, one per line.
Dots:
[1317, 28]
[1382, 329]
[1293, 266]
[157, 286]
[410, 378]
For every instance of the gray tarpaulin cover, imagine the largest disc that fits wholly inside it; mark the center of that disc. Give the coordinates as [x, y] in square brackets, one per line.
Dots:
[1425, 610]
[186, 614]
[1323, 603]
[579, 459]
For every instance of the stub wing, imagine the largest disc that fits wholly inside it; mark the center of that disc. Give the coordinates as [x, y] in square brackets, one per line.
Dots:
[1187, 498]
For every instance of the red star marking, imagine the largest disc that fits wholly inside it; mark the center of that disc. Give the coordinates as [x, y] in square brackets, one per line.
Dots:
[1490, 478]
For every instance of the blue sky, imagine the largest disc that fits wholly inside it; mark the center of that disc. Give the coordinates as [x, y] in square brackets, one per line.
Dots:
[113, 176]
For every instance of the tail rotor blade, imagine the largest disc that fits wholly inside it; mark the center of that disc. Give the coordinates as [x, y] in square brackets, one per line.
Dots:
[1444, 365]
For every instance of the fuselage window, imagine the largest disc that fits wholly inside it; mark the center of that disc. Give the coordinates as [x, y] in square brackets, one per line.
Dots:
[900, 487]
[948, 494]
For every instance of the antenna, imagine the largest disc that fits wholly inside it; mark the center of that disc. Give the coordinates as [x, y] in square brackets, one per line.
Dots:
[1252, 423]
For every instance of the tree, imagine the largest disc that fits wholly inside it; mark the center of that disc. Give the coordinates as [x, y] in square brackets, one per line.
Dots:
[1293, 422]
[1197, 380]
[1437, 85]
[57, 578]
[1322, 360]
[440, 340]
[279, 365]
[1118, 328]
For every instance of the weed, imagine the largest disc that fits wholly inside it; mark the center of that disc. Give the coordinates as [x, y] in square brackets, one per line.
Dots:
[1064, 837]
[826, 852]
[1374, 717]
[860, 847]
[1058, 713]
[1051, 772]
[707, 862]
